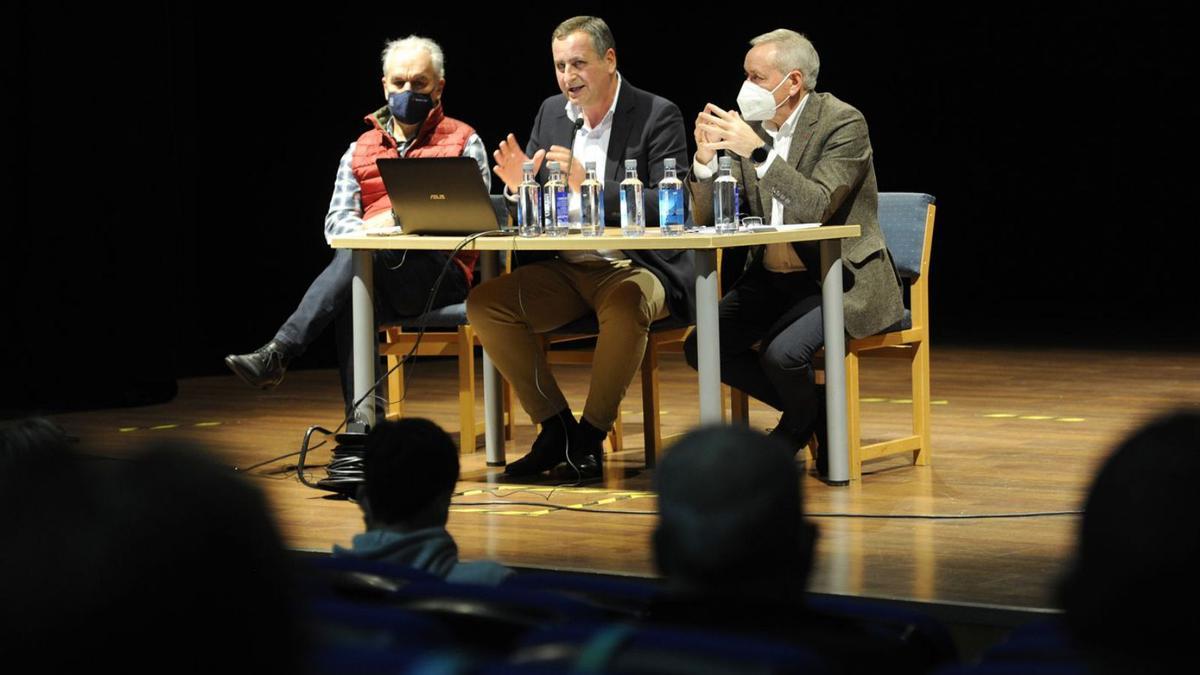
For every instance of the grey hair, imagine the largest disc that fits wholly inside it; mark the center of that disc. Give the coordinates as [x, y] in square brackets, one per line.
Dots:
[416, 42]
[594, 26]
[793, 51]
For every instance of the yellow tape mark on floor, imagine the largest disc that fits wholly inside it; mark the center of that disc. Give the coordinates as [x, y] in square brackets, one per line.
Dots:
[611, 498]
[872, 400]
[126, 430]
[490, 512]
[208, 424]
[940, 402]
[161, 427]
[1034, 418]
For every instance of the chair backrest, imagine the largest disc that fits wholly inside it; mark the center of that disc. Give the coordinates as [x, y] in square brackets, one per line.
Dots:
[630, 648]
[500, 206]
[349, 577]
[616, 596]
[903, 217]
[922, 636]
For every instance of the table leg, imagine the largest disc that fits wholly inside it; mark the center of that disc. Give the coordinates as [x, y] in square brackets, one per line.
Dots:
[708, 338]
[493, 399]
[835, 361]
[362, 292]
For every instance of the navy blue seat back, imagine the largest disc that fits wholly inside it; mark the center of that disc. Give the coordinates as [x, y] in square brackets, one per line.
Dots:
[625, 597]
[902, 217]
[920, 632]
[361, 580]
[491, 619]
[625, 648]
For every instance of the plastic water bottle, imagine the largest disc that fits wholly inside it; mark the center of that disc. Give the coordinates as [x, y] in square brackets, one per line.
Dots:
[725, 198]
[633, 211]
[591, 204]
[670, 200]
[557, 203]
[529, 207]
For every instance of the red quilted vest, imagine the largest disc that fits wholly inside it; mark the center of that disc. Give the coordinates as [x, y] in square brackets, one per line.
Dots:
[440, 136]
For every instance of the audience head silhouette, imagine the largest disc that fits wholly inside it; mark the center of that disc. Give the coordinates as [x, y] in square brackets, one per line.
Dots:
[731, 517]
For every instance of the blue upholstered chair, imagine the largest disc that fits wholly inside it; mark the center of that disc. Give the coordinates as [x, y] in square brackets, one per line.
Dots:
[626, 648]
[620, 597]
[906, 219]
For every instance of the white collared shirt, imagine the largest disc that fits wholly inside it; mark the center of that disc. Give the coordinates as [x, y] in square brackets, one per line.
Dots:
[591, 145]
[776, 257]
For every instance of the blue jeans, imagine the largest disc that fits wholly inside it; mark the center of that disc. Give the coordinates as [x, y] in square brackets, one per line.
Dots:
[403, 280]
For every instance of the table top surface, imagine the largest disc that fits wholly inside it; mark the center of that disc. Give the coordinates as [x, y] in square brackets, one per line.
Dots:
[612, 239]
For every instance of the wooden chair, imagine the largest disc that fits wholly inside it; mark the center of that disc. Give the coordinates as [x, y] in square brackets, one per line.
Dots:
[666, 334]
[447, 333]
[906, 219]
[666, 337]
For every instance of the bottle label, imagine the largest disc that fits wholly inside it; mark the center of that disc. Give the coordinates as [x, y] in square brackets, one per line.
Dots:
[670, 206]
[562, 206]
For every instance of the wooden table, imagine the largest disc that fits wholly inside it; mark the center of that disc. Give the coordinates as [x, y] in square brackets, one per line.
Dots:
[705, 245]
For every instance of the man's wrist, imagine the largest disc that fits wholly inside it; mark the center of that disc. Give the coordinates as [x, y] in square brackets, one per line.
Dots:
[759, 154]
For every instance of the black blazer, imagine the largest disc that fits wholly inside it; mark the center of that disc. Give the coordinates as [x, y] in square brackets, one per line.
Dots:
[647, 128]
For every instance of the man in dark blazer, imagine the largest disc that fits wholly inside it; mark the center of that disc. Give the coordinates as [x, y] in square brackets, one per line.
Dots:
[598, 118]
[799, 157]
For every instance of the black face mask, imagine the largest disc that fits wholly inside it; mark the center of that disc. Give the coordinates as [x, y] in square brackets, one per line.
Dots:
[410, 107]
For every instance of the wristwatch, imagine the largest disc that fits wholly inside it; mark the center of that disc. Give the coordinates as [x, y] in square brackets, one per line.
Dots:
[759, 154]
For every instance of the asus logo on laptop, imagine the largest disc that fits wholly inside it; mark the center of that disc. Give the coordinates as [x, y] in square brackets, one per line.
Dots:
[437, 197]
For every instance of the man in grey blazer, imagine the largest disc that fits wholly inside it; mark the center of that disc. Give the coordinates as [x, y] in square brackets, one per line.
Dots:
[799, 157]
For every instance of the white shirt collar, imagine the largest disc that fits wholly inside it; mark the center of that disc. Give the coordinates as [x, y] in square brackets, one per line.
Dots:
[574, 111]
[789, 125]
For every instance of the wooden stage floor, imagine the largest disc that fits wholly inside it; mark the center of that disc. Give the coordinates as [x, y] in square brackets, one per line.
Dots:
[1015, 432]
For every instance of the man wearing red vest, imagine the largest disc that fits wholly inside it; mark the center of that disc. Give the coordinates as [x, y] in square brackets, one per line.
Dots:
[412, 124]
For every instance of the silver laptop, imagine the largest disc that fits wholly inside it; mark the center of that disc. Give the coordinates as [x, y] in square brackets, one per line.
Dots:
[438, 195]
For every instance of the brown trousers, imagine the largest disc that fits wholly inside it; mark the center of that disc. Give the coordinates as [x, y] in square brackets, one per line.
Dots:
[508, 312]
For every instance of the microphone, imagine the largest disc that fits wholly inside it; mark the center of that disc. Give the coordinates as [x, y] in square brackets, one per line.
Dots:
[571, 144]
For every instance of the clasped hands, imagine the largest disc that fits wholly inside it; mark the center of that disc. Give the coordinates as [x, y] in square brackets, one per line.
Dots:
[718, 129]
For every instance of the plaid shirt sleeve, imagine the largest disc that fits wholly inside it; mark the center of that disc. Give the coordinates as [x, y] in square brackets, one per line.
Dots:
[475, 150]
[345, 207]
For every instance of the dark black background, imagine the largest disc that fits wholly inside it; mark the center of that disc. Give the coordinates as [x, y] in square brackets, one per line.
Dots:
[170, 164]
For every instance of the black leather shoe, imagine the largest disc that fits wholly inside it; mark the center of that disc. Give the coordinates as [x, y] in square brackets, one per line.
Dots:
[262, 368]
[586, 466]
[821, 438]
[787, 434]
[549, 449]
[586, 455]
[822, 459]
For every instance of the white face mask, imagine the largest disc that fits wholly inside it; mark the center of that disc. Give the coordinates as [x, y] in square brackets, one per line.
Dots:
[756, 103]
